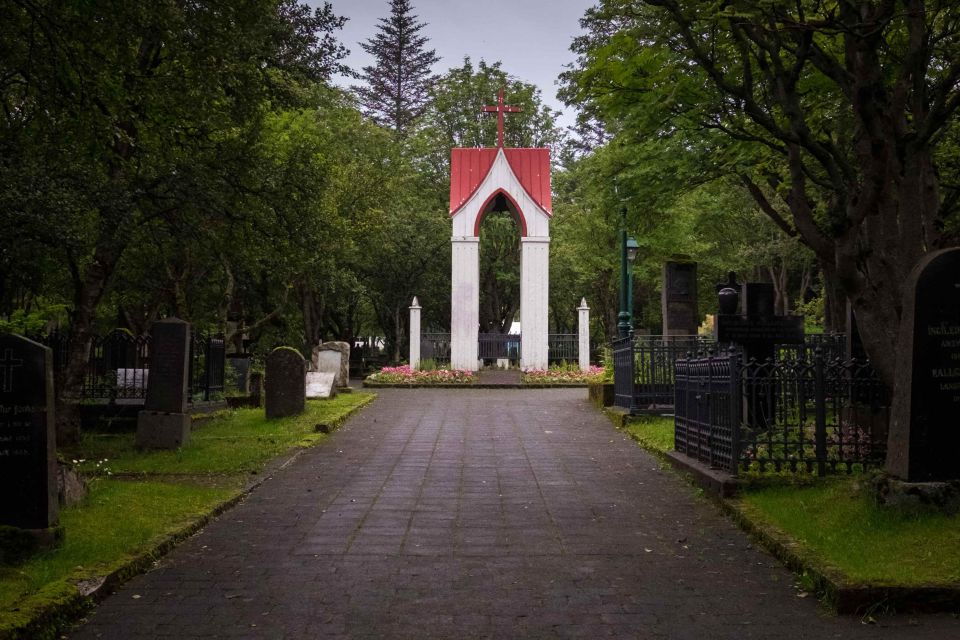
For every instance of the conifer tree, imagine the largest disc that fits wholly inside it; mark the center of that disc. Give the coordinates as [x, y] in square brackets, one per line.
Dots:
[396, 86]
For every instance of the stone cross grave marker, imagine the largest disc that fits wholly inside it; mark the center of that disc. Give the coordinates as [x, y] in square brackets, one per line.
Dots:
[285, 382]
[759, 330]
[164, 422]
[27, 436]
[924, 441]
[333, 357]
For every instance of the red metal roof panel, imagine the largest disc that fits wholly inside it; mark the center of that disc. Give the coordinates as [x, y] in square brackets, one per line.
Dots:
[468, 168]
[532, 168]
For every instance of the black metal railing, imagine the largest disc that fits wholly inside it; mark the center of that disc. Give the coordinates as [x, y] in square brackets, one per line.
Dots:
[814, 414]
[643, 369]
[207, 364]
[117, 369]
[435, 347]
[563, 347]
[499, 346]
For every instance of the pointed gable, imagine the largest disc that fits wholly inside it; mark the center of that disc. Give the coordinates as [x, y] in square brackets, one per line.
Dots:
[468, 168]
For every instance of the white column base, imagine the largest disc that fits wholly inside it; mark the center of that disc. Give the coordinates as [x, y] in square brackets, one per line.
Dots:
[534, 301]
[583, 334]
[465, 302]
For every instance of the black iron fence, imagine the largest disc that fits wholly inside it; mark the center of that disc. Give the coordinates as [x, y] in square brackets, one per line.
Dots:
[207, 363]
[118, 366]
[643, 372]
[563, 347]
[435, 347]
[499, 346]
[809, 414]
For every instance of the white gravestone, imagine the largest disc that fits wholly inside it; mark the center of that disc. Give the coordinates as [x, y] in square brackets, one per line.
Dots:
[333, 357]
[320, 384]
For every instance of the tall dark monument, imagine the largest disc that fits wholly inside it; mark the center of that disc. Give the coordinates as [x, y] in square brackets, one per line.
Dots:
[678, 300]
[28, 459]
[924, 441]
[164, 422]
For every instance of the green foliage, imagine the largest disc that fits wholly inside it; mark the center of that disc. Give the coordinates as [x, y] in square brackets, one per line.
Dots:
[32, 322]
[395, 89]
[499, 272]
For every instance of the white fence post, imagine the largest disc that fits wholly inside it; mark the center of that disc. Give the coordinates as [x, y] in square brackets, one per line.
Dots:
[415, 334]
[583, 311]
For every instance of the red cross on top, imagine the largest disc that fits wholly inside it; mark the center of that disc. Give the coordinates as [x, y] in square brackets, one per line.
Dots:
[500, 109]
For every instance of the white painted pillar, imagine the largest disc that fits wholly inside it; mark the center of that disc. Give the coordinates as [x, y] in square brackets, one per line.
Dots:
[534, 301]
[583, 314]
[415, 334]
[465, 302]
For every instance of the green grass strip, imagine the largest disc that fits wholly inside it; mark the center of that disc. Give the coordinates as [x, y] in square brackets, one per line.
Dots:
[240, 442]
[844, 530]
[116, 522]
[653, 432]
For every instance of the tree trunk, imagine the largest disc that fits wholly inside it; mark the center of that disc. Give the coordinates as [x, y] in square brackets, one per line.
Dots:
[89, 290]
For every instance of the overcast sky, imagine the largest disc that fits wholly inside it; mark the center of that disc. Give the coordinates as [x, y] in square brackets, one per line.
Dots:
[531, 37]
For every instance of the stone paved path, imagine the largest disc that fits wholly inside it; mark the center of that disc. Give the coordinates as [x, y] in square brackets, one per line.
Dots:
[476, 514]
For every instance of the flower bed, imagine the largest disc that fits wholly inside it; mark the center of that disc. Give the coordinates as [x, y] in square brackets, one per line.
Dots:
[405, 375]
[562, 375]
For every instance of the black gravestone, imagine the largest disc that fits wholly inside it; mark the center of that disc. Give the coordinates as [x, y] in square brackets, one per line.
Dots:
[678, 301]
[27, 441]
[758, 331]
[924, 441]
[286, 379]
[256, 389]
[241, 371]
[169, 366]
[164, 422]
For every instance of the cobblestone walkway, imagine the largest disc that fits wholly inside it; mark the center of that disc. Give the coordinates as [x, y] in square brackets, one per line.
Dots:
[476, 514]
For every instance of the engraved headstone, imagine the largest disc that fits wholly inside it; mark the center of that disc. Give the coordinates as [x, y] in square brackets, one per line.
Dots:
[924, 441]
[681, 315]
[285, 382]
[321, 384]
[27, 437]
[164, 422]
[333, 357]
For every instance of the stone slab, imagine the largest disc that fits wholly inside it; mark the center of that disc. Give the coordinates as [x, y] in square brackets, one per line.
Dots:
[332, 357]
[321, 385]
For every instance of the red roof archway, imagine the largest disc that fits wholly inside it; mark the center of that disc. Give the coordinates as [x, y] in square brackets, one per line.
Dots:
[469, 168]
[482, 213]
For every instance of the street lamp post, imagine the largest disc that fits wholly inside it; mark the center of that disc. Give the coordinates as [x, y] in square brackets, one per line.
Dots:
[628, 253]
